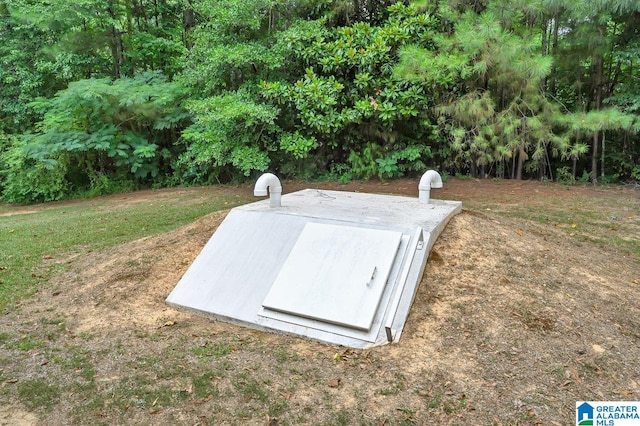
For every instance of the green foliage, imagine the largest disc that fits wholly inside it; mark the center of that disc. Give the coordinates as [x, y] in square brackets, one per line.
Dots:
[110, 38]
[346, 105]
[94, 129]
[297, 145]
[234, 133]
[232, 47]
[338, 88]
[230, 132]
[585, 178]
[46, 45]
[564, 175]
[38, 393]
[26, 180]
[364, 164]
[373, 162]
[497, 110]
[25, 69]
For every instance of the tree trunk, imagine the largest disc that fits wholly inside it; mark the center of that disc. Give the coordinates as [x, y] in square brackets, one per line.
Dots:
[116, 52]
[545, 37]
[156, 12]
[594, 159]
[522, 153]
[521, 156]
[598, 86]
[131, 14]
[548, 161]
[474, 167]
[188, 22]
[545, 49]
[554, 51]
[602, 155]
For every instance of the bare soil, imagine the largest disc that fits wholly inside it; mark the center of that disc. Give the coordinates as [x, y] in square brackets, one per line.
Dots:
[514, 321]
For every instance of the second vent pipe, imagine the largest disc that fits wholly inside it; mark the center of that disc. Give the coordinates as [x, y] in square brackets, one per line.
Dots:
[272, 183]
[431, 179]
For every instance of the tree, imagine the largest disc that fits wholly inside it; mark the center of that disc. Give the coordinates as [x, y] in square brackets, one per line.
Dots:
[26, 71]
[339, 88]
[347, 111]
[588, 40]
[488, 57]
[97, 134]
[496, 110]
[234, 132]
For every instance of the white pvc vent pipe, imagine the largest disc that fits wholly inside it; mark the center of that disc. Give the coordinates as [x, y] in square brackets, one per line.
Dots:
[272, 183]
[431, 179]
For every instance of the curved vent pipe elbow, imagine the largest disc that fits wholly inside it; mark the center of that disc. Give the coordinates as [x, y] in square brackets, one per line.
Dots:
[431, 179]
[270, 182]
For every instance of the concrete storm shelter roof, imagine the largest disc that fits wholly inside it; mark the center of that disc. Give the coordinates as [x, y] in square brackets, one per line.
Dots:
[339, 267]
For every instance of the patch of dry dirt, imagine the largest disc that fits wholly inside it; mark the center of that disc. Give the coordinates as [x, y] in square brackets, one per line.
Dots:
[514, 321]
[14, 416]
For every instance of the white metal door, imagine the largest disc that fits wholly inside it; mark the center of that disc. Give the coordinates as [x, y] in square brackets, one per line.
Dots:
[335, 274]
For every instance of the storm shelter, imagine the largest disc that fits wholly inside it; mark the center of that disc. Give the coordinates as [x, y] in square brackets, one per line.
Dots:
[340, 267]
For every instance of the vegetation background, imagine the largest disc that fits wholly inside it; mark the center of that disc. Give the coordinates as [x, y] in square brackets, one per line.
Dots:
[103, 96]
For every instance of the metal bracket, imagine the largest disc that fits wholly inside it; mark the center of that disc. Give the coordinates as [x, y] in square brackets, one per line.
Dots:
[389, 335]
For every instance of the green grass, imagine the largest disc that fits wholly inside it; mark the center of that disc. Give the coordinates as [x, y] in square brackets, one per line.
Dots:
[278, 407]
[251, 388]
[585, 226]
[35, 246]
[434, 402]
[211, 350]
[204, 385]
[388, 391]
[76, 359]
[142, 392]
[38, 393]
[25, 344]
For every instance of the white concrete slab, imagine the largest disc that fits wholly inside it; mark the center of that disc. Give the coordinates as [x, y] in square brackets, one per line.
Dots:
[234, 274]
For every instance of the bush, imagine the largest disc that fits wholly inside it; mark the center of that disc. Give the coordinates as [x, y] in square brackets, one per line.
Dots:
[94, 136]
[26, 180]
[564, 176]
